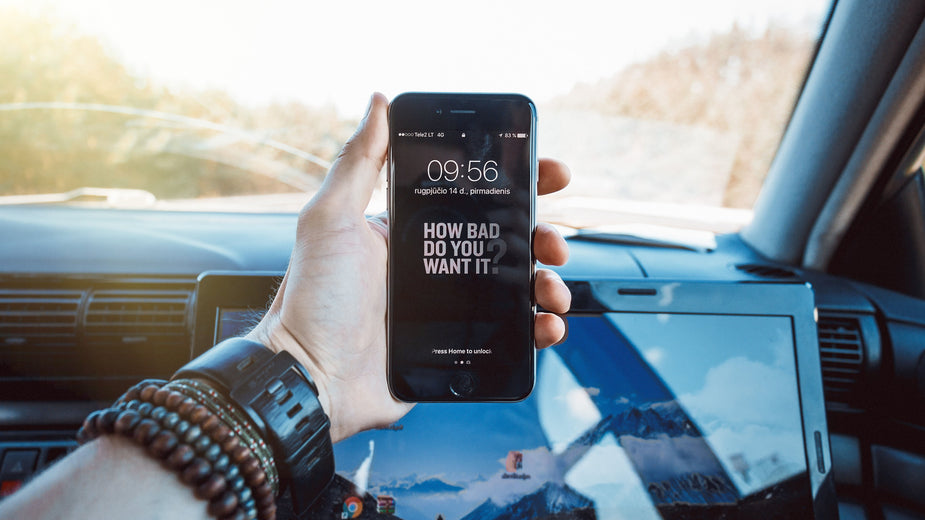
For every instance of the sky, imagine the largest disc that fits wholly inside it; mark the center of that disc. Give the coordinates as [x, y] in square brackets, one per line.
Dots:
[339, 52]
[742, 390]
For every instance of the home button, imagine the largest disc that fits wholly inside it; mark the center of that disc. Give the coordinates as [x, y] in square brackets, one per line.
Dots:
[462, 384]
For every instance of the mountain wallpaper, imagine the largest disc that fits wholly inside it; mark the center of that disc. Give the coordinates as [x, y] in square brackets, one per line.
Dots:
[593, 443]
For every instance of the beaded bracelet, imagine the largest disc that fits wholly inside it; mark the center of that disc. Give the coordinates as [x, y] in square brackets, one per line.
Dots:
[148, 425]
[190, 438]
[252, 470]
[191, 411]
[231, 416]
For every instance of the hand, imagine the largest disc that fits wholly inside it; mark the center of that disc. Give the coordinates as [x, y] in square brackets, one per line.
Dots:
[329, 312]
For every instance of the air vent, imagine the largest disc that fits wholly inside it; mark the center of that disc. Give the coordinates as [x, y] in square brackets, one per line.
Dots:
[30, 317]
[136, 315]
[841, 350]
[90, 339]
[767, 271]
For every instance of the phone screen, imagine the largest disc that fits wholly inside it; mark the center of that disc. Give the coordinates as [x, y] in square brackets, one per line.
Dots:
[462, 183]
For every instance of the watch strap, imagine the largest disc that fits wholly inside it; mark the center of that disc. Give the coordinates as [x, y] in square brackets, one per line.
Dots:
[280, 398]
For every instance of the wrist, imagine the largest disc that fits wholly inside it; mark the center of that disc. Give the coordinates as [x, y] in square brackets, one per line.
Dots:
[273, 335]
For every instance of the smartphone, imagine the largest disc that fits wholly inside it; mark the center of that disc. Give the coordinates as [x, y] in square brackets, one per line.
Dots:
[462, 191]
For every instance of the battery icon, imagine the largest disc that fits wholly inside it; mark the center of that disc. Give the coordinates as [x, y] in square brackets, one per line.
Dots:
[520, 136]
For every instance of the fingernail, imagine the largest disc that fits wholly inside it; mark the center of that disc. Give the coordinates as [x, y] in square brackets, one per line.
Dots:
[369, 105]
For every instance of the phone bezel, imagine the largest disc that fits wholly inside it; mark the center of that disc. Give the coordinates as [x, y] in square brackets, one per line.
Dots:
[419, 110]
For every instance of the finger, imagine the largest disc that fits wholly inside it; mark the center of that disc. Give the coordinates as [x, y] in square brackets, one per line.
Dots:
[382, 217]
[553, 176]
[350, 182]
[549, 330]
[551, 292]
[548, 245]
[380, 224]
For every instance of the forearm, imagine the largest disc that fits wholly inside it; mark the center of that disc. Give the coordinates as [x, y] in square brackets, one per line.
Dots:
[107, 478]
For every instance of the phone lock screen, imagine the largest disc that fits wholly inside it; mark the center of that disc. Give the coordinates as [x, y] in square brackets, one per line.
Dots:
[462, 185]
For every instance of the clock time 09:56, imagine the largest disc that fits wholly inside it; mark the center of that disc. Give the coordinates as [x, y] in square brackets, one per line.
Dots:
[451, 171]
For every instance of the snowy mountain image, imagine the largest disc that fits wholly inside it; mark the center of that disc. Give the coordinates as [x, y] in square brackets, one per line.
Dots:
[429, 486]
[488, 510]
[666, 450]
[551, 501]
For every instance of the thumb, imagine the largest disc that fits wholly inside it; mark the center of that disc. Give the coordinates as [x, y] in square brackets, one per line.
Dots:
[350, 182]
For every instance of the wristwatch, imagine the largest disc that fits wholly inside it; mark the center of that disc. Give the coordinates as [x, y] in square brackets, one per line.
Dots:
[280, 398]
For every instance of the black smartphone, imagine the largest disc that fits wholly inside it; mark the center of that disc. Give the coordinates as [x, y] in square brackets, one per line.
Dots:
[462, 192]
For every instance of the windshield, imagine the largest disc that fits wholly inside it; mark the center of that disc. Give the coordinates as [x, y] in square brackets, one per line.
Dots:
[667, 112]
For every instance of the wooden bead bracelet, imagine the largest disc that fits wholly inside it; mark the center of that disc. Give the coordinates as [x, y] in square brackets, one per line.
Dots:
[228, 414]
[187, 409]
[219, 455]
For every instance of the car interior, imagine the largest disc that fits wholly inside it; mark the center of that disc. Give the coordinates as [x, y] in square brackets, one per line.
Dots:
[812, 315]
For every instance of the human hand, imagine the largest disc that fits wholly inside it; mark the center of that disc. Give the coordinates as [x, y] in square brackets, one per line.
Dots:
[330, 310]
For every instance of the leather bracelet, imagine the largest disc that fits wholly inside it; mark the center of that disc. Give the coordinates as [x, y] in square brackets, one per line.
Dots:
[279, 397]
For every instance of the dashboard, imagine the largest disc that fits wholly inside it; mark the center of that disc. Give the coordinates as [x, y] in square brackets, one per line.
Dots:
[92, 301]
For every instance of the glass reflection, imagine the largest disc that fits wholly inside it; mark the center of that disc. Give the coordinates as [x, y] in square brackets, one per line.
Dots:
[704, 409]
[639, 416]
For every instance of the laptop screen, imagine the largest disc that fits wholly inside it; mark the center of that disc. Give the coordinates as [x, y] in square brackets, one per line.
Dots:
[636, 415]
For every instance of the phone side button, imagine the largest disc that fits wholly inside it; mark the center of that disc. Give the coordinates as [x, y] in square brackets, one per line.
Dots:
[462, 384]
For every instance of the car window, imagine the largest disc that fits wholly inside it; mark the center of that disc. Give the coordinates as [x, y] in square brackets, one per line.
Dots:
[665, 107]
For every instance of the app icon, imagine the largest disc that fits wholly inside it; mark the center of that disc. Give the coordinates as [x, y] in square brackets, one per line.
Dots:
[353, 506]
[385, 504]
[514, 462]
